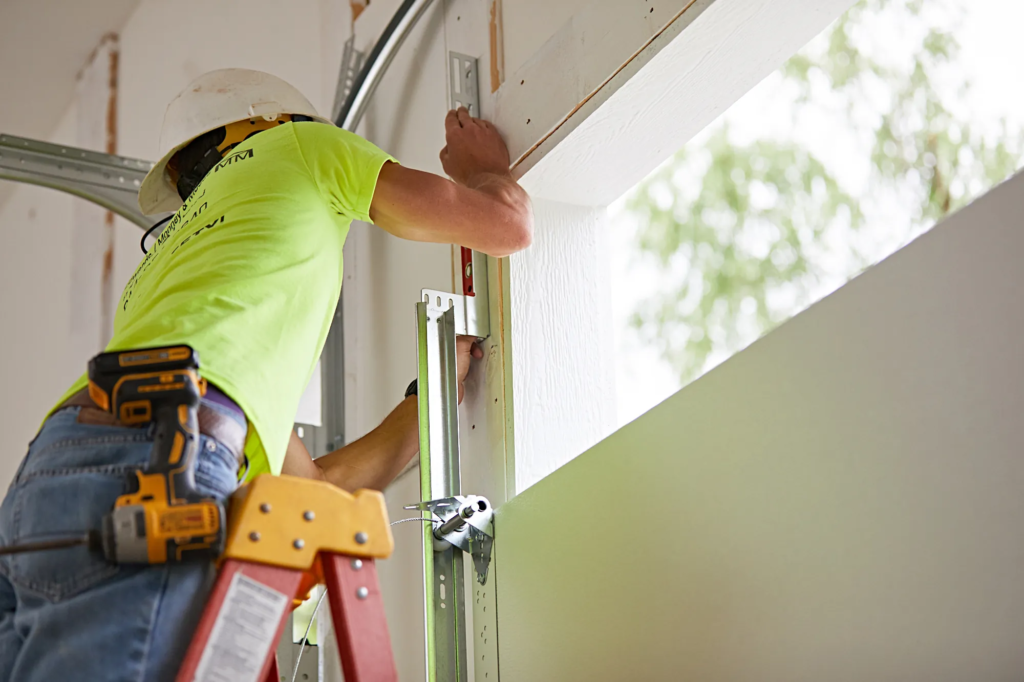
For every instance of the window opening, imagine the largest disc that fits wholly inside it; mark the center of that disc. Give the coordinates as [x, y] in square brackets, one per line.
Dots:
[899, 113]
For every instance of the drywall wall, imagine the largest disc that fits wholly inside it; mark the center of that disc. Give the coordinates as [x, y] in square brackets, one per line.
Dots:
[93, 291]
[57, 301]
[38, 361]
[839, 501]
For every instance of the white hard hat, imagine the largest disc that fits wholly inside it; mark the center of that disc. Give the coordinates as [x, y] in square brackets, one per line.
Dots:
[213, 100]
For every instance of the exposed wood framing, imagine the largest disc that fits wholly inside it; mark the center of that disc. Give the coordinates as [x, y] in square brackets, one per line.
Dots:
[93, 292]
[357, 7]
[495, 32]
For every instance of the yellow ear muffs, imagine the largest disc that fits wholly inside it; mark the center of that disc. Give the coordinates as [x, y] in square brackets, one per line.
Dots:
[240, 131]
[190, 165]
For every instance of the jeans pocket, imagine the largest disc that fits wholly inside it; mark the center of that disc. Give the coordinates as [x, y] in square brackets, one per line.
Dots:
[71, 477]
[55, 506]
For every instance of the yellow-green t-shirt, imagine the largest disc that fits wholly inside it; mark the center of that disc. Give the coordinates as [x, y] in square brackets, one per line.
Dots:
[248, 272]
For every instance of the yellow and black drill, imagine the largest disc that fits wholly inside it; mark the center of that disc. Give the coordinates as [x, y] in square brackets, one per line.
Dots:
[166, 520]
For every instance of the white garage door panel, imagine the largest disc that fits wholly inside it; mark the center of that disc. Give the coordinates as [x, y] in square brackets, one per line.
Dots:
[842, 501]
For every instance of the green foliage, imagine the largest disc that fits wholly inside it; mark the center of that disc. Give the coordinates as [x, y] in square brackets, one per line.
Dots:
[761, 207]
[743, 230]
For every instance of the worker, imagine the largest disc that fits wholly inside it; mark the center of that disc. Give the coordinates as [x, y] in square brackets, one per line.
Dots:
[247, 272]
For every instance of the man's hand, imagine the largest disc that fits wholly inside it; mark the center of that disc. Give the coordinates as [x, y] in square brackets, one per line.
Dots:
[377, 458]
[474, 149]
[466, 348]
[483, 209]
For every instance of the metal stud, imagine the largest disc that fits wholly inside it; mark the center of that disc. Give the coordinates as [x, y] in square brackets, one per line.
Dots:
[362, 538]
[254, 536]
[265, 508]
[362, 593]
[309, 516]
[299, 544]
[357, 564]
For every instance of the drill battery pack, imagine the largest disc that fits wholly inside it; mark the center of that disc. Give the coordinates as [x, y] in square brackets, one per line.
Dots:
[165, 519]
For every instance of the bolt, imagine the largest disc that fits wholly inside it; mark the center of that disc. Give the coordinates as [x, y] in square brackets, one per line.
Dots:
[254, 536]
[357, 564]
[299, 544]
[309, 516]
[265, 508]
[362, 593]
[362, 538]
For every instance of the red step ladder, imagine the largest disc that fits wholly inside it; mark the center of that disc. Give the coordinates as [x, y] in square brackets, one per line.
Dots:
[285, 536]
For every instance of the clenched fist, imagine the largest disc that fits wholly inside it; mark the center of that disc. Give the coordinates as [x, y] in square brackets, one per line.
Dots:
[474, 148]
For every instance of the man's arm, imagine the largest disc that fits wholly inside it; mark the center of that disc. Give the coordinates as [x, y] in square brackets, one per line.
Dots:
[373, 461]
[377, 458]
[482, 207]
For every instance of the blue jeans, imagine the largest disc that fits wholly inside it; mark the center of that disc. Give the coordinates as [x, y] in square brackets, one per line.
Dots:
[68, 615]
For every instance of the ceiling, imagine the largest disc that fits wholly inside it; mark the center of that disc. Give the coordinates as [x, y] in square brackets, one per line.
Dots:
[43, 45]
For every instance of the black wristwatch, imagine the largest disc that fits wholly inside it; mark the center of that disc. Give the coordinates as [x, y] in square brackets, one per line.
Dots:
[413, 388]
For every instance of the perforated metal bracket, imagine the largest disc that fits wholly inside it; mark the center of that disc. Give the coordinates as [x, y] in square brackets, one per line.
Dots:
[352, 61]
[440, 318]
[110, 181]
[471, 314]
[467, 523]
[464, 89]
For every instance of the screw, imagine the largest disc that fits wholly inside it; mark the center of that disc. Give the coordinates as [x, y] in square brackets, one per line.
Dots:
[298, 544]
[362, 593]
[265, 508]
[357, 564]
[362, 538]
[254, 536]
[309, 516]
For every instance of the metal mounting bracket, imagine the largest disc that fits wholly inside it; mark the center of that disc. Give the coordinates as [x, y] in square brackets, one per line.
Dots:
[352, 61]
[110, 181]
[463, 87]
[467, 523]
[472, 315]
[469, 312]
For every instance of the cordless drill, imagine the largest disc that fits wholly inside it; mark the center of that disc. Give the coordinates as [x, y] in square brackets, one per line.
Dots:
[166, 519]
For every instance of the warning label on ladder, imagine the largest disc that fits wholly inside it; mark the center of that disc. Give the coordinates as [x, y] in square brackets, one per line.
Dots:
[243, 633]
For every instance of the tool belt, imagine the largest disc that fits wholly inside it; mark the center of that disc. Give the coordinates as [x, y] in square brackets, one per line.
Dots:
[223, 429]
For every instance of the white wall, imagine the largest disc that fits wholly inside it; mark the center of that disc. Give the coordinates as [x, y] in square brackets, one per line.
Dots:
[563, 375]
[37, 362]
